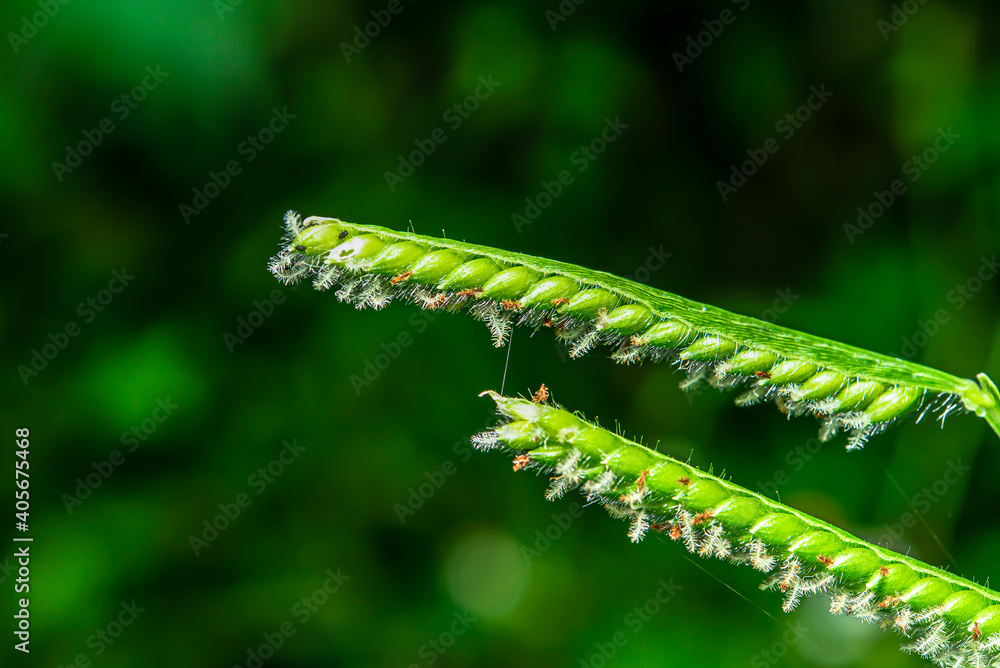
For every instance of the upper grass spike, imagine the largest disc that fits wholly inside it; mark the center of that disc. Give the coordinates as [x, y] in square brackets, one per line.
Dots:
[846, 387]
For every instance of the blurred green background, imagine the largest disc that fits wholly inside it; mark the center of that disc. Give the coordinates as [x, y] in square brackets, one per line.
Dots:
[365, 452]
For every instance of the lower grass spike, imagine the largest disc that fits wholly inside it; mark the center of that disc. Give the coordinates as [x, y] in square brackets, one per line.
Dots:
[940, 616]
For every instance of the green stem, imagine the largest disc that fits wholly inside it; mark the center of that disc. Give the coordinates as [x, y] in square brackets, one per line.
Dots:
[992, 409]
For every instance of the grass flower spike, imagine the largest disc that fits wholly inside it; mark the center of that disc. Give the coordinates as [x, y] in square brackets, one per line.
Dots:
[847, 388]
[947, 619]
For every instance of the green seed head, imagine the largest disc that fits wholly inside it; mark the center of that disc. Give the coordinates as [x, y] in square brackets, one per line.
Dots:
[472, 274]
[396, 258]
[893, 403]
[434, 266]
[543, 293]
[962, 606]
[703, 493]
[522, 435]
[823, 384]
[858, 564]
[586, 304]
[355, 250]
[669, 334]
[509, 284]
[894, 579]
[927, 592]
[778, 529]
[988, 621]
[626, 320]
[790, 371]
[855, 396]
[739, 512]
[749, 362]
[318, 239]
[670, 477]
[813, 545]
[709, 348]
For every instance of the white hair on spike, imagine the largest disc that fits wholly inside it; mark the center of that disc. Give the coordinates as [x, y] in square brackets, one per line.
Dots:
[640, 524]
[487, 440]
[292, 221]
[857, 439]
[930, 641]
[569, 465]
[828, 429]
[634, 497]
[825, 406]
[993, 644]
[346, 291]
[583, 344]
[715, 543]
[689, 535]
[629, 354]
[759, 557]
[838, 603]
[326, 278]
[287, 268]
[750, 397]
[569, 333]
[696, 374]
[615, 508]
[558, 487]
[602, 484]
[496, 318]
[377, 296]
[903, 620]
